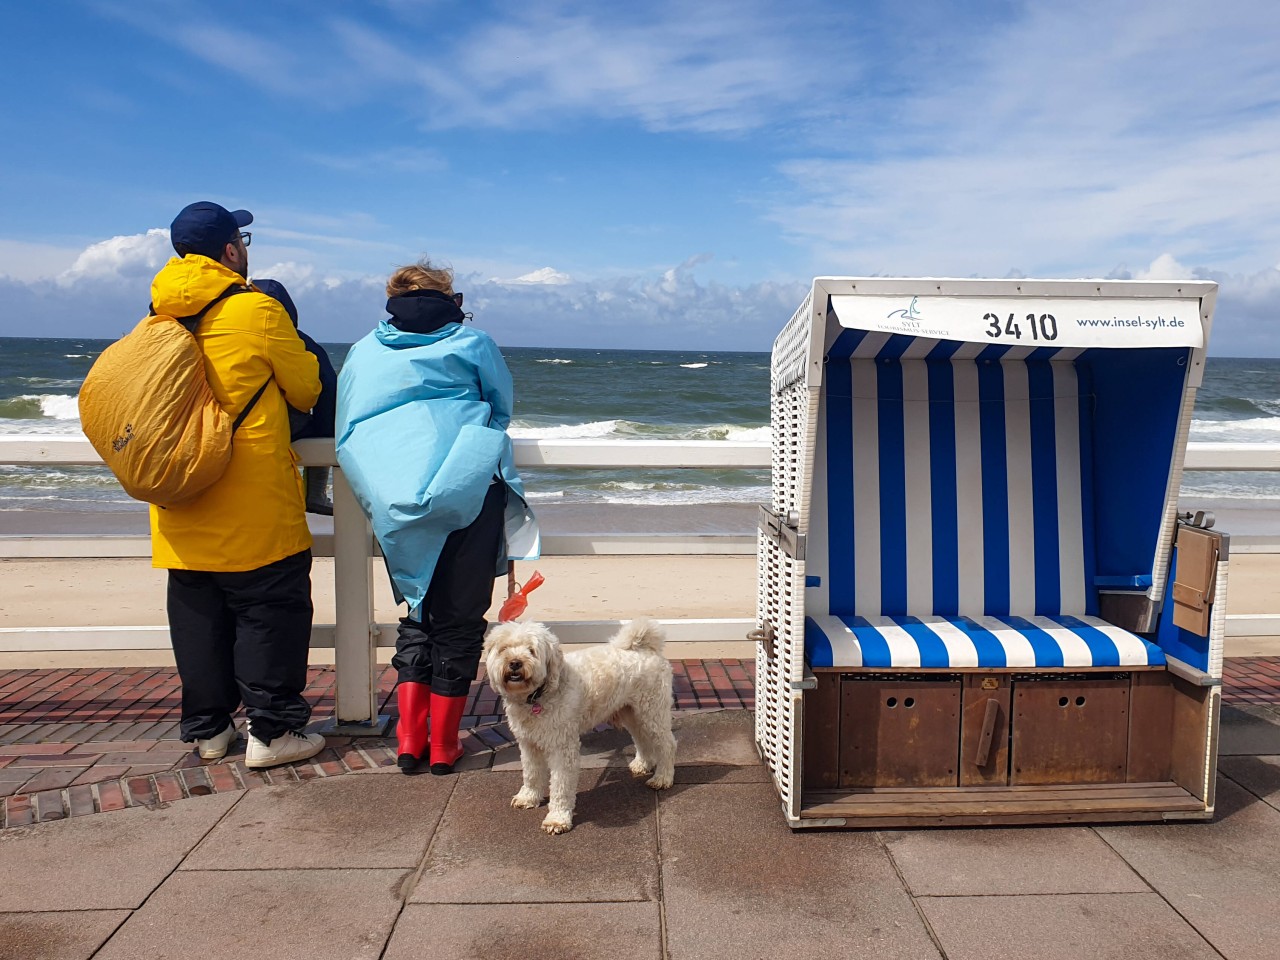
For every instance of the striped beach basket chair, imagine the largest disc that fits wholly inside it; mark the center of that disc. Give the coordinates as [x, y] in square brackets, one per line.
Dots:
[978, 601]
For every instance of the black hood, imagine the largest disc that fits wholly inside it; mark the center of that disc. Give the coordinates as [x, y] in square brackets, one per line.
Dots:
[423, 311]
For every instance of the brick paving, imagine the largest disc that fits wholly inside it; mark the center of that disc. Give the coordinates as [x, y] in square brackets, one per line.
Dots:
[76, 742]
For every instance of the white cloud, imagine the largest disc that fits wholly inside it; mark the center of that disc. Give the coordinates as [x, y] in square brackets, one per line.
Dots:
[120, 258]
[547, 275]
[1164, 267]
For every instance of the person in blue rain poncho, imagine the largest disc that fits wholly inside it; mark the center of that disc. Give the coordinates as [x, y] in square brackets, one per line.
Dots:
[423, 406]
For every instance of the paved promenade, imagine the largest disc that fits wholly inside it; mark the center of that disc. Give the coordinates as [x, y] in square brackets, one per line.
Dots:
[359, 861]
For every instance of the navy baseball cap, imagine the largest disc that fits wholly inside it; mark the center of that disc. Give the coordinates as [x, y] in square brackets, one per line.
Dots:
[205, 227]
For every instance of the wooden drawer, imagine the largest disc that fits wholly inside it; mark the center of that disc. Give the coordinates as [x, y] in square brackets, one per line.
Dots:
[1070, 729]
[899, 732]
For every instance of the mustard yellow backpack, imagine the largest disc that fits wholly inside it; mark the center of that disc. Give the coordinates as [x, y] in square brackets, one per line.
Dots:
[147, 408]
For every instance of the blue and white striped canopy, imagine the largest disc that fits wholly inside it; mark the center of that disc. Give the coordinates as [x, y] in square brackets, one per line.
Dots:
[958, 496]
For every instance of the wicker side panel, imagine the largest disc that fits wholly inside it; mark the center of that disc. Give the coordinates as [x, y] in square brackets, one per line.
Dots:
[1218, 621]
[791, 348]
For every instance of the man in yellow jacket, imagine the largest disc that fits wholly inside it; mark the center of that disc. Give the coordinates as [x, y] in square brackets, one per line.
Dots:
[239, 555]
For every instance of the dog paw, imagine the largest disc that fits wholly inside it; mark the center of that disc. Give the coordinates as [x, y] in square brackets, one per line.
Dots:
[554, 825]
[639, 768]
[660, 781]
[525, 800]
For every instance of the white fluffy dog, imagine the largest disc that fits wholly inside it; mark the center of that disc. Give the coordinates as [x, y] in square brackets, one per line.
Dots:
[551, 698]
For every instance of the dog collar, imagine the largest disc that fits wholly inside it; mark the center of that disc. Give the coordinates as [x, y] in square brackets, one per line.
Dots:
[534, 697]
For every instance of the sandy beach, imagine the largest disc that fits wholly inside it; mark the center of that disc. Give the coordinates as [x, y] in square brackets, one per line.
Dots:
[129, 592]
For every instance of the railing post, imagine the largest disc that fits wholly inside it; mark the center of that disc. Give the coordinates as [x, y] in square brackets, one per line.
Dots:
[355, 633]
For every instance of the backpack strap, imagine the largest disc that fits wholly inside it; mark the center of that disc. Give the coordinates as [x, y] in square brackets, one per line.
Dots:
[249, 406]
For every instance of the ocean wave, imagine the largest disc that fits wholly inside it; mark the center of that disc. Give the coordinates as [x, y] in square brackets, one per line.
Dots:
[55, 406]
[536, 495]
[1239, 431]
[553, 361]
[568, 431]
[693, 366]
[78, 356]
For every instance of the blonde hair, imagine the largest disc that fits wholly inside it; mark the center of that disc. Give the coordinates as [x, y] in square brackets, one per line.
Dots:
[423, 275]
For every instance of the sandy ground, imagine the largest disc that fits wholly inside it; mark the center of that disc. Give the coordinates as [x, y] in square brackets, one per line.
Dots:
[131, 593]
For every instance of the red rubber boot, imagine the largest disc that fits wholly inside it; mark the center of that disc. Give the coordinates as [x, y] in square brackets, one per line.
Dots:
[446, 714]
[411, 728]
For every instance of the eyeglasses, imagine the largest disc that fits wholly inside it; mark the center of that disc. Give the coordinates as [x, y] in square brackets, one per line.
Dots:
[247, 238]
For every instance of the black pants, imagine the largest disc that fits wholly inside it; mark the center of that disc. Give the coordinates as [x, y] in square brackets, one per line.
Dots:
[243, 637]
[443, 648]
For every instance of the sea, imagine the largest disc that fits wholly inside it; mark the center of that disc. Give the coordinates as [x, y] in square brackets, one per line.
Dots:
[592, 394]
[560, 394]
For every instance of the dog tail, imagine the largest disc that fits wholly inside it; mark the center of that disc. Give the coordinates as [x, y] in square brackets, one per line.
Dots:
[641, 634]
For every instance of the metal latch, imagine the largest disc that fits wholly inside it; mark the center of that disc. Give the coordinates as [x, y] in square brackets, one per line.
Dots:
[784, 531]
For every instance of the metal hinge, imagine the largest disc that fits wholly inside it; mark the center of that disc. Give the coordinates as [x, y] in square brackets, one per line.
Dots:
[784, 531]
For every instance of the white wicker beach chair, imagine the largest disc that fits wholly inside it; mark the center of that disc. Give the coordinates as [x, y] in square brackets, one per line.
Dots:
[968, 605]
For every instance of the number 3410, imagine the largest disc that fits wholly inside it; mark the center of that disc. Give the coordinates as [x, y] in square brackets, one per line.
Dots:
[1044, 327]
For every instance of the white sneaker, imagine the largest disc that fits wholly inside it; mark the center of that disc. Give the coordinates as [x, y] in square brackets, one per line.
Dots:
[286, 748]
[215, 748]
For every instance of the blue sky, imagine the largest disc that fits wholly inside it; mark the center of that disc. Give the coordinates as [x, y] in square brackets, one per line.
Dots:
[652, 174]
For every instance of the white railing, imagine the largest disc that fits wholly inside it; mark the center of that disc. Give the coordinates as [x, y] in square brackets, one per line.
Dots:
[355, 635]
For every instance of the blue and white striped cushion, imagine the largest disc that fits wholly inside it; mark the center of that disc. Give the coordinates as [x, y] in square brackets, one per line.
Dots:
[958, 494]
[959, 642]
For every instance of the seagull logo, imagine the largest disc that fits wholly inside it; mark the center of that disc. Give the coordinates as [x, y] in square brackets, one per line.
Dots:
[910, 313]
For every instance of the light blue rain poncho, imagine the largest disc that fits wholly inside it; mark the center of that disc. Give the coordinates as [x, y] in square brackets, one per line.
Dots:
[420, 434]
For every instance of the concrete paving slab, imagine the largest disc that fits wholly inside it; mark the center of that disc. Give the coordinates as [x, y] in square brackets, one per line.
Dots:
[1126, 926]
[1249, 730]
[73, 935]
[721, 773]
[717, 737]
[566, 931]
[738, 883]
[724, 738]
[1022, 861]
[353, 821]
[283, 914]
[1259, 775]
[486, 852]
[104, 862]
[1220, 876]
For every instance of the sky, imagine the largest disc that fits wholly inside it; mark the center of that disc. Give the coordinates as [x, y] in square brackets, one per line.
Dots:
[668, 175]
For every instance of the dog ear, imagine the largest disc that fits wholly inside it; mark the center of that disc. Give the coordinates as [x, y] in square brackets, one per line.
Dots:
[553, 657]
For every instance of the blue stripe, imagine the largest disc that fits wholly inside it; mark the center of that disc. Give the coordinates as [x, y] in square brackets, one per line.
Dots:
[991, 652]
[1042, 353]
[846, 343]
[812, 581]
[893, 489]
[993, 352]
[1084, 382]
[1102, 649]
[995, 489]
[942, 489]
[875, 651]
[840, 485]
[817, 647]
[895, 346]
[1045, 649]
[944, 350]
[933, 652]
[1044, 486]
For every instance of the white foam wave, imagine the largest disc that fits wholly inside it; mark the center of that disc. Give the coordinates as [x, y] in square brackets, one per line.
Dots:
[746, 434]
[26, 428]
[78, 356]
[664, 495]
[553, 361]
[568, 431]
[536, 495]
[1238, 431]
[57, 406]
[693, 366]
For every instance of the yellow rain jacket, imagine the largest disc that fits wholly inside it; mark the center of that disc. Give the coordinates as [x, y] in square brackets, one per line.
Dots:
[255, 513]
